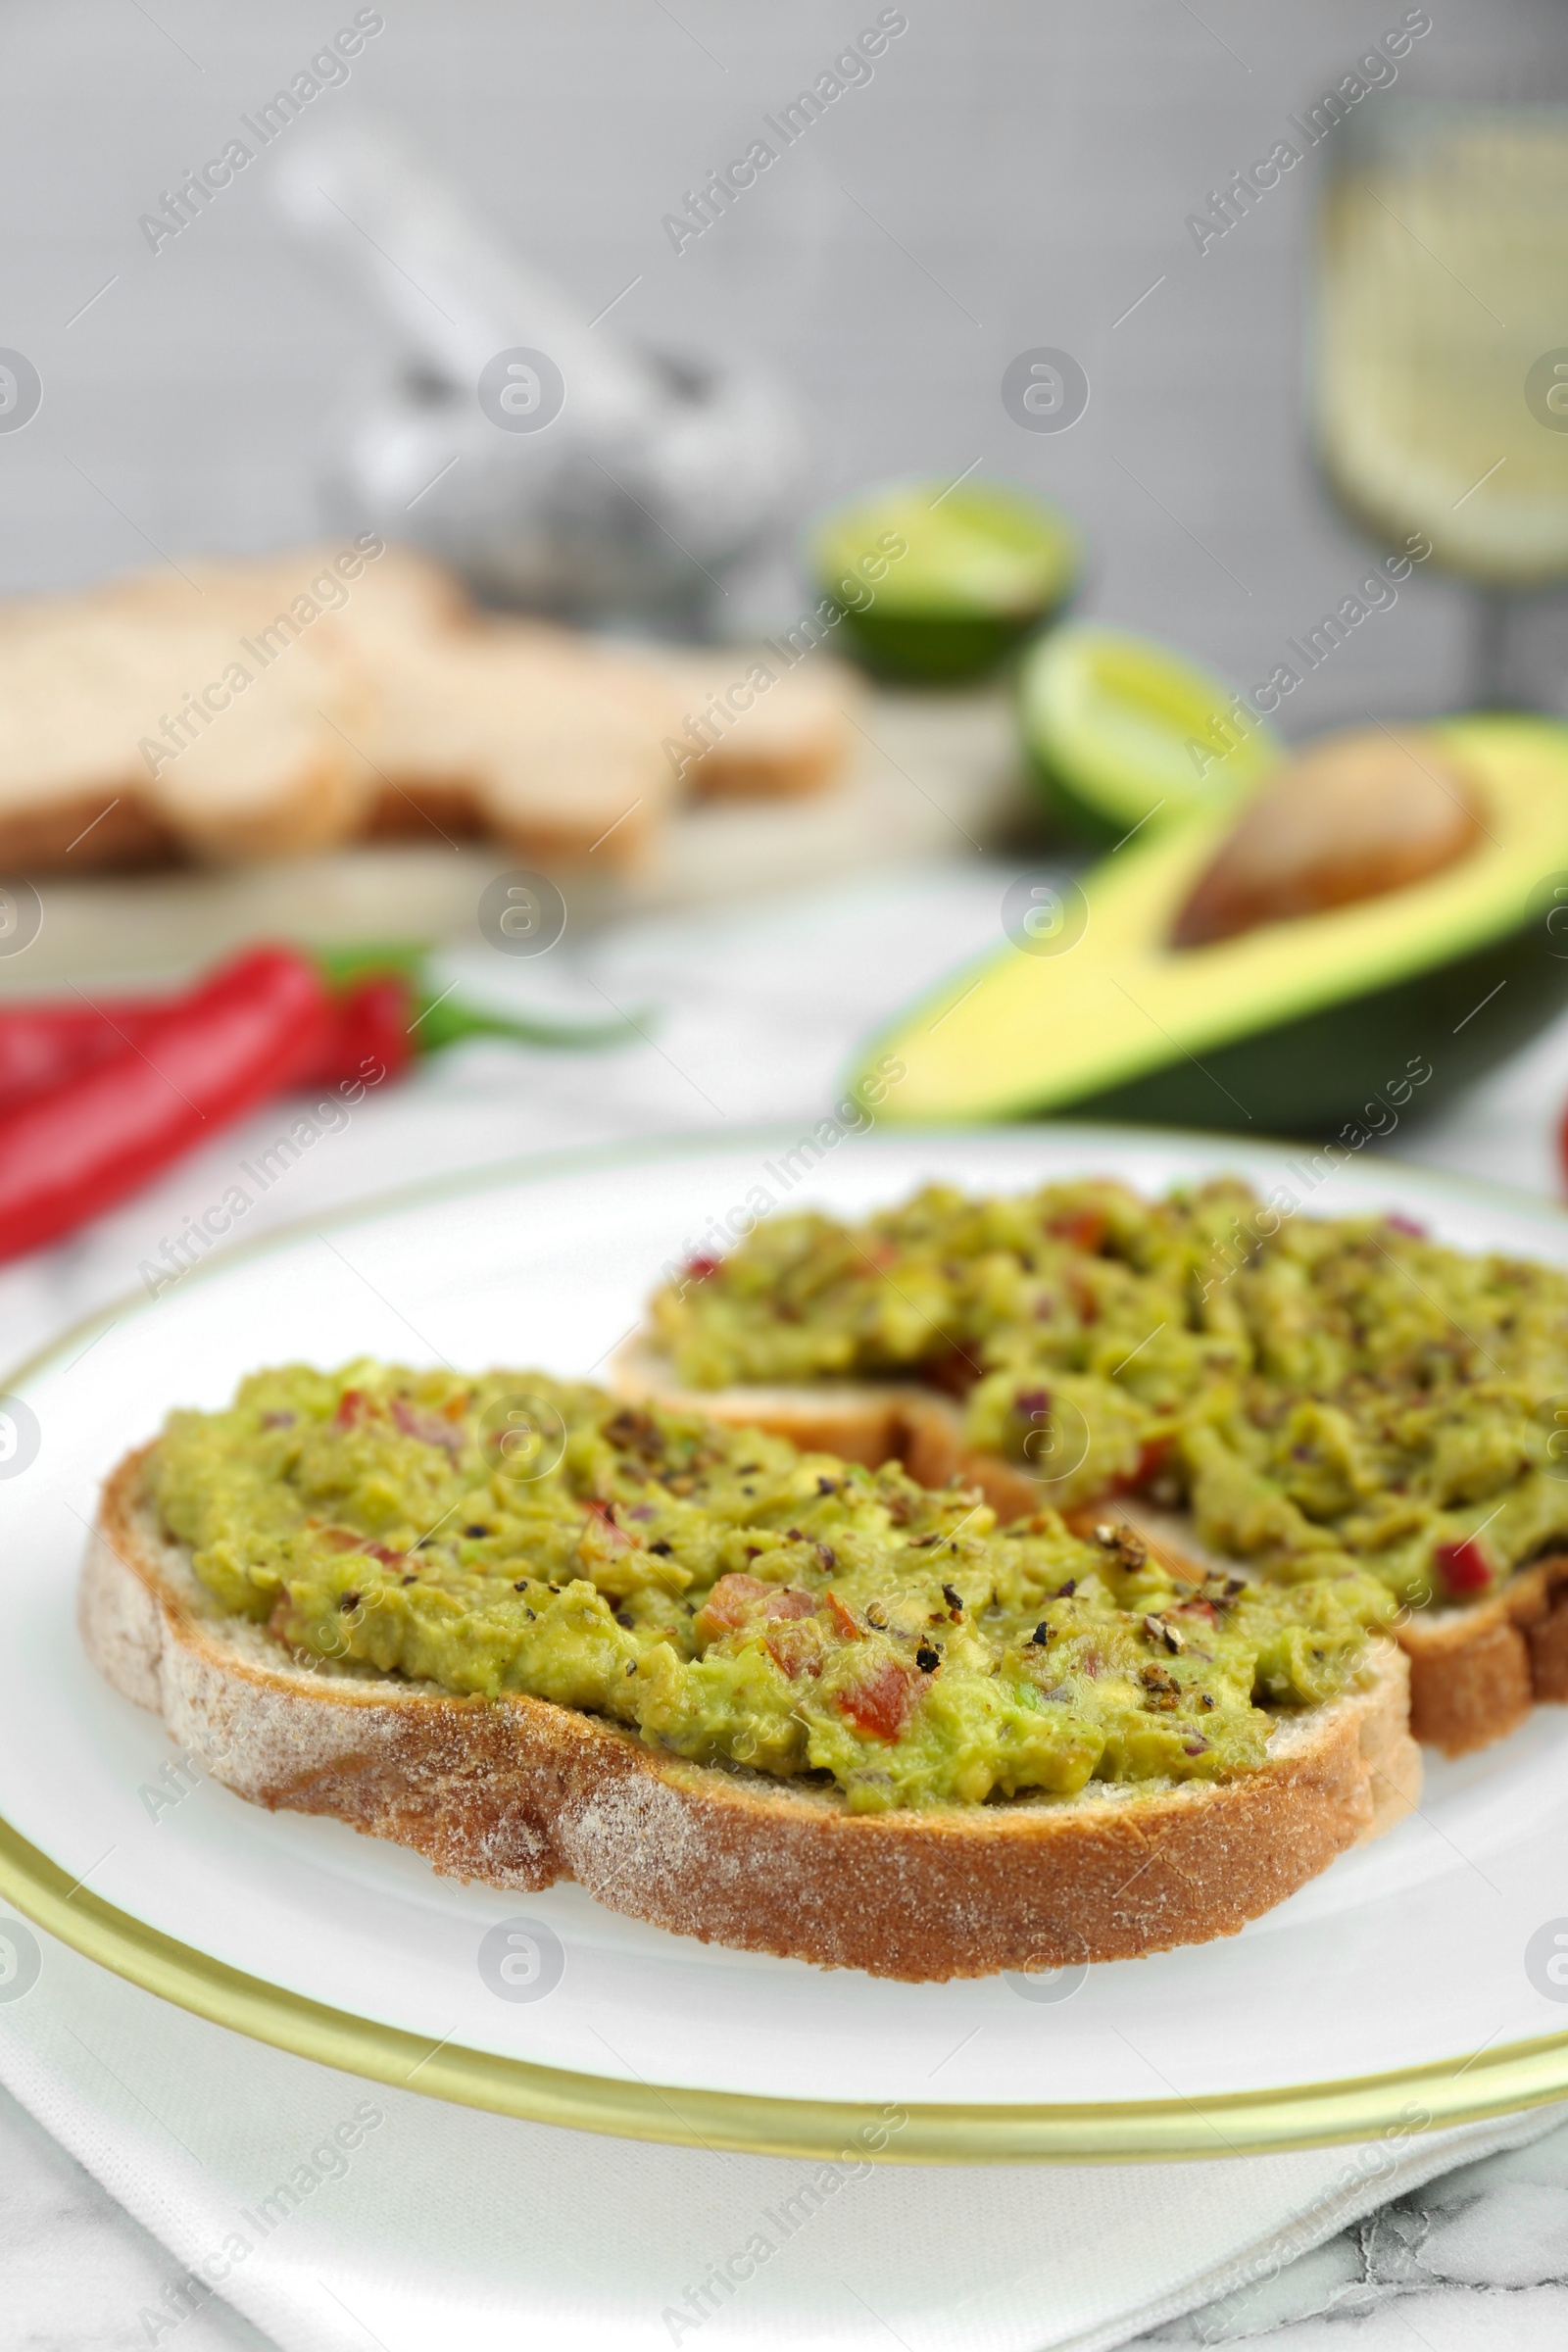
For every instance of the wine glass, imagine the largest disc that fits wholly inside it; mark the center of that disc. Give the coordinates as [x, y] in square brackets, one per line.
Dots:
[1440, 392]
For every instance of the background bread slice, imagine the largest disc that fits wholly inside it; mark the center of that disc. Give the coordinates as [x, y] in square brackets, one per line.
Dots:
[521, 1792]
[526, 733]
[1477, 1669]
[869, 1421]
[466, 725]
[792, 738]
[109, 751]
[520, 726]
[373, 699]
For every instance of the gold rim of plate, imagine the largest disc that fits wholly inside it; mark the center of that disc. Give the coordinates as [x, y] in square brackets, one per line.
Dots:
[1464, 2088]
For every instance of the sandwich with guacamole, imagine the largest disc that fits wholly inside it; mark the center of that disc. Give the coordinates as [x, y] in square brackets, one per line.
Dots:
[754, 1692]
[1255, 1390]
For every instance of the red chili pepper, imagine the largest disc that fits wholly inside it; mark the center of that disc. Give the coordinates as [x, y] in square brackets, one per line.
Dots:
[369, 1035]
[385, 1020]
[44, 1043]
[197, 1064]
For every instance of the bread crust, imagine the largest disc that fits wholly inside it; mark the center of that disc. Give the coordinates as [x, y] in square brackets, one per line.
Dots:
[1476, 1669]
[122, 835]
[519, 1793]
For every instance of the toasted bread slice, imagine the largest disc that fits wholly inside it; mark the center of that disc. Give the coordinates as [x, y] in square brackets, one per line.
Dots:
[525, 732]
[531, 734]
[311, 697]
[869, 1421]
[776, 734]
[520, 1793]
[124, 736]
[1476, 1669]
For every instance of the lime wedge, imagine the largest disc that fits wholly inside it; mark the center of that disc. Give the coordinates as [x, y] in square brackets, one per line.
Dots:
[936, 584]
[1121, 730]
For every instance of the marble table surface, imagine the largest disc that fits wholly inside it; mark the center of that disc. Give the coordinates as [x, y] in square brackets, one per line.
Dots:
[756, 1012]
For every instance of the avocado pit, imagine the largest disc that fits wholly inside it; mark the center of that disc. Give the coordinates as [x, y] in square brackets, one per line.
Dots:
[1355, 816]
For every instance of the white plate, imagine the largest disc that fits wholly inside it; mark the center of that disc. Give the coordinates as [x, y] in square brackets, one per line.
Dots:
[1392, 1990]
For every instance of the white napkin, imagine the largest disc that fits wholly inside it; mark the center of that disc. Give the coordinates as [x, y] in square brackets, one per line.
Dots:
[401, 2221]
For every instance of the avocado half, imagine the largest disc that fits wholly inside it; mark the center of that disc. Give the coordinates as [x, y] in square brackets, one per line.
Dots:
[1296, 1027]
[983, 564]
[1121, 731]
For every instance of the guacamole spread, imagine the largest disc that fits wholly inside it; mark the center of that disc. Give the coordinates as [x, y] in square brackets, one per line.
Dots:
[729, 1598]
[1321, 1393]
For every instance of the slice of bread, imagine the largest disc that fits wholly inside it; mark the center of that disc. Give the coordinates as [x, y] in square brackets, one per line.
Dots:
[1477, 1668]
[540, 733]
[312, 697]
[520, 1793]
[125, 737]
[525, 733]
[533, 735]
[772, 733]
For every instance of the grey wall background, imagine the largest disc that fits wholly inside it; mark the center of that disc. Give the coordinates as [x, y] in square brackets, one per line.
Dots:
[1027, 167]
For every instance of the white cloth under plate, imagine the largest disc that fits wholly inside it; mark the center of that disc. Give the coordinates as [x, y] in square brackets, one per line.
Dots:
[445, 2225]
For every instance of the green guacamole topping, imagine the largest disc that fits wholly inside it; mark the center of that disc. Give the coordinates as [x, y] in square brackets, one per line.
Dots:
[730, 1599]
[1321, 1393]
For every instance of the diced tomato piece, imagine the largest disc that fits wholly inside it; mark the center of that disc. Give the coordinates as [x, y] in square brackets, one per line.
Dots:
[1463, 1567]
[844, 1619]
[791, 1602]
[603, 1515]
[881, 1701]
[699, 1268]
[351, 1409]
[1084, 1228]
[1084, 1300]
[729, 1604]
[737, 1599]
[1153, 1455]
[343, 1539]
[428, 1429]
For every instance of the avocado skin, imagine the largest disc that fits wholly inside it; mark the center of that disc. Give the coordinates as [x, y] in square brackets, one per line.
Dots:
[1068, 812]
[1311, 1077]
[936, 649]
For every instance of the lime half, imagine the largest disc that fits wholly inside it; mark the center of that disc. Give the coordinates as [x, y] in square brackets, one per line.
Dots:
[1121, 730]
[938, 583]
